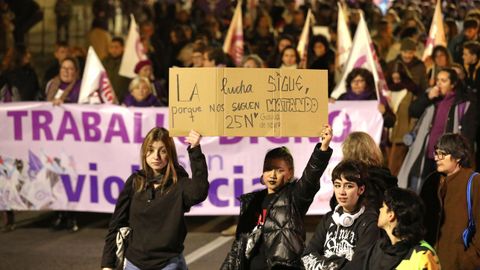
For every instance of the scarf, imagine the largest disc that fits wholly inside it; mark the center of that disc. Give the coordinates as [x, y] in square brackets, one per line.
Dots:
[55, 85]
[366, 95]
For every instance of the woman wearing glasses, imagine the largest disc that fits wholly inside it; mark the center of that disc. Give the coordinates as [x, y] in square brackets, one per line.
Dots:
[446, 107]
[361, 86]
[445, 196]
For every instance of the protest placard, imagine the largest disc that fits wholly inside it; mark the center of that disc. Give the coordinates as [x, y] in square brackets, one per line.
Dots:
[248, 102]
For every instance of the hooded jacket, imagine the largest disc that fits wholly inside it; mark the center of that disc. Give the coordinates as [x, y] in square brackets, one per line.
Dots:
[401, 256]
[337, 247]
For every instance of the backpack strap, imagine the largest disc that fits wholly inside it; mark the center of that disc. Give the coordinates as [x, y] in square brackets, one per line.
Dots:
[469, 198]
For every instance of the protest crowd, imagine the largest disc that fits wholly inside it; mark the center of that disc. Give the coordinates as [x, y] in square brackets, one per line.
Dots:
[410, 202]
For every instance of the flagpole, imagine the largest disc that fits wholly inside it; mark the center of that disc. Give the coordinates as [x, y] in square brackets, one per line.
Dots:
[234, 36]
[302, 47]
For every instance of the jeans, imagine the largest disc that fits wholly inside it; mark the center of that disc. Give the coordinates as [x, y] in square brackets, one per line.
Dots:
[175, 263]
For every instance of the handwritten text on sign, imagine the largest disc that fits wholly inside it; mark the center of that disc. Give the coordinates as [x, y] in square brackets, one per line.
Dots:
[248, 102]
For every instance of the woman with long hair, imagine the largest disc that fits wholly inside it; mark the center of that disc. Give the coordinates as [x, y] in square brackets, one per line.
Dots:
[290, 58]
[153, 204]
[440, 58]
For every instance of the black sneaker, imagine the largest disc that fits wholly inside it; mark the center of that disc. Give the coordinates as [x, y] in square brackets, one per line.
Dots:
[74, 228]
[72, 225]
[58, 224]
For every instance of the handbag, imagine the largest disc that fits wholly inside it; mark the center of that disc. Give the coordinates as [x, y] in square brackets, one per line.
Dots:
[253, 239]
[469, 232]
[254, 236]
[122, 242]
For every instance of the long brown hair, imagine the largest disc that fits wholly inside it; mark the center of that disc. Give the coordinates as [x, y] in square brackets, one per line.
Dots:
[360, 146]
[170, 175]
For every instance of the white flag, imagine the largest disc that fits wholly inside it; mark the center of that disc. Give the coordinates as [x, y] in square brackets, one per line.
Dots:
[436, 36]
[233, 44]
[302, 47]
[96, 87]
[344, 40]
[134, 51]
[362, 55]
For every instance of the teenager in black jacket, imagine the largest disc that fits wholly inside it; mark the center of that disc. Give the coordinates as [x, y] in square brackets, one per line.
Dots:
[275, 215]
[153, 203]
[344, 235]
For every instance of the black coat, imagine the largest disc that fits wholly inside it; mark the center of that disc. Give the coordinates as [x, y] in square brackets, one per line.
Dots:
[157, 219]
[25, 80]
[283, 236]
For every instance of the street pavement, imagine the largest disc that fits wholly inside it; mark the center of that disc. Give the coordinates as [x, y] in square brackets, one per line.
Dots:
[33, 245]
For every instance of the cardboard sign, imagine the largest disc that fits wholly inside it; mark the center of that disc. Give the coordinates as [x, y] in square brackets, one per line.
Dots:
[248, 101]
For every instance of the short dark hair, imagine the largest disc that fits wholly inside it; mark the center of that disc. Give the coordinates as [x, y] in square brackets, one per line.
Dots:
[199, 47]
[453, 76]
[409, 211]
[442, 49]
[217, 55]
[278, 153]
[473, 47]
[319, 39]
[365, 74]
[351, 170]
[382, 25]
[457, 146]
[119, 40]
[408, 32]
[287, 37]
[61, 44]
[470, 23]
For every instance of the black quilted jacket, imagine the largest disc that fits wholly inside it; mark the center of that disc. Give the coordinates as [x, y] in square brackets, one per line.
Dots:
[283, 232]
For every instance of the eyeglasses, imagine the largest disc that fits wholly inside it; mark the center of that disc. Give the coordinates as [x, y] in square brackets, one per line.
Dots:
[440, 154]
[358, 81]
[68, 68]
